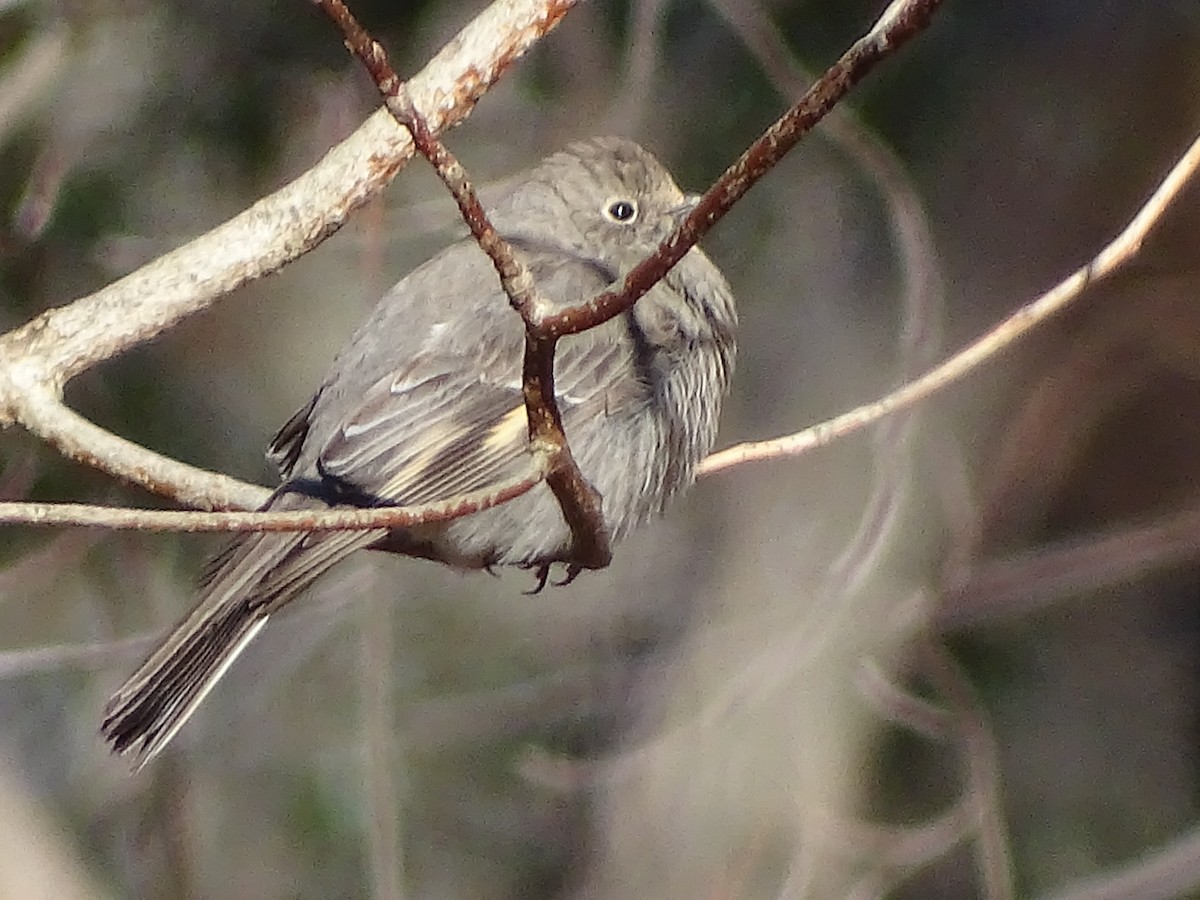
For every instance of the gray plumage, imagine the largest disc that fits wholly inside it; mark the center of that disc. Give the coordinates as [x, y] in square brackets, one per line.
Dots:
[424, 403]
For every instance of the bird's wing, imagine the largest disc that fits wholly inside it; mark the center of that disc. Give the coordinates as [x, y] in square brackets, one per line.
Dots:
[450, 419]
[455, 431]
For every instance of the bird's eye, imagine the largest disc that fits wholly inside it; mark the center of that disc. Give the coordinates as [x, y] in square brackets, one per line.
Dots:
[621, 211]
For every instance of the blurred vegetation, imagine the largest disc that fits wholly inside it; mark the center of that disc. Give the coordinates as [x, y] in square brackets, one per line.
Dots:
[687, 723]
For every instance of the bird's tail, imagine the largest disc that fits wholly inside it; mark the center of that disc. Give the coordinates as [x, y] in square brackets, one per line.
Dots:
[254, 576]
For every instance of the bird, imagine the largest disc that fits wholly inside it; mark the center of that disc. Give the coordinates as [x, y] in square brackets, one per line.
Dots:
[424, 403]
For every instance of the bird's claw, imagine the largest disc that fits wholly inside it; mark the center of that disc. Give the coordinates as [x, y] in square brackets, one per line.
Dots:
[572, 573]
[542, 575]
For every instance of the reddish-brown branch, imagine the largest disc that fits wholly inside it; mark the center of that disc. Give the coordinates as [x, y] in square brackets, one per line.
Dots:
[581, 504]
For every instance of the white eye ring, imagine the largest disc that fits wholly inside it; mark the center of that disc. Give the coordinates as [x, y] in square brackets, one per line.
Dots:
[621, 210]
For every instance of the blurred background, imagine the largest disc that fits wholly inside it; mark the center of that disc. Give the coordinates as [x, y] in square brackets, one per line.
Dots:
[955, 657]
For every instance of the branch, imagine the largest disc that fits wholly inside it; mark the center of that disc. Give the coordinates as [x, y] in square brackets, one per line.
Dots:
[581, 504]
[907, 848]
[1116, 254]
[29, 74]
[383, 764]
[17, 663]
[40, 357]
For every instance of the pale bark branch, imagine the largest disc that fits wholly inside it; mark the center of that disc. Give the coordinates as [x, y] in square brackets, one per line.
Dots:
[1112, 257]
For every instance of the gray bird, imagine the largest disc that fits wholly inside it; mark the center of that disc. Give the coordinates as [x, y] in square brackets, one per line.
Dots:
[424, 404]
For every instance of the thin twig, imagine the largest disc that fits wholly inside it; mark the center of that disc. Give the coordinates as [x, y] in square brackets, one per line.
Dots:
[1117, 253]
[29, 74]
[893, 852]
[514, 276]
[327, 605]
[19, 473]
[907, 848]
[916, 248]
[32, 573]
[338, 519]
